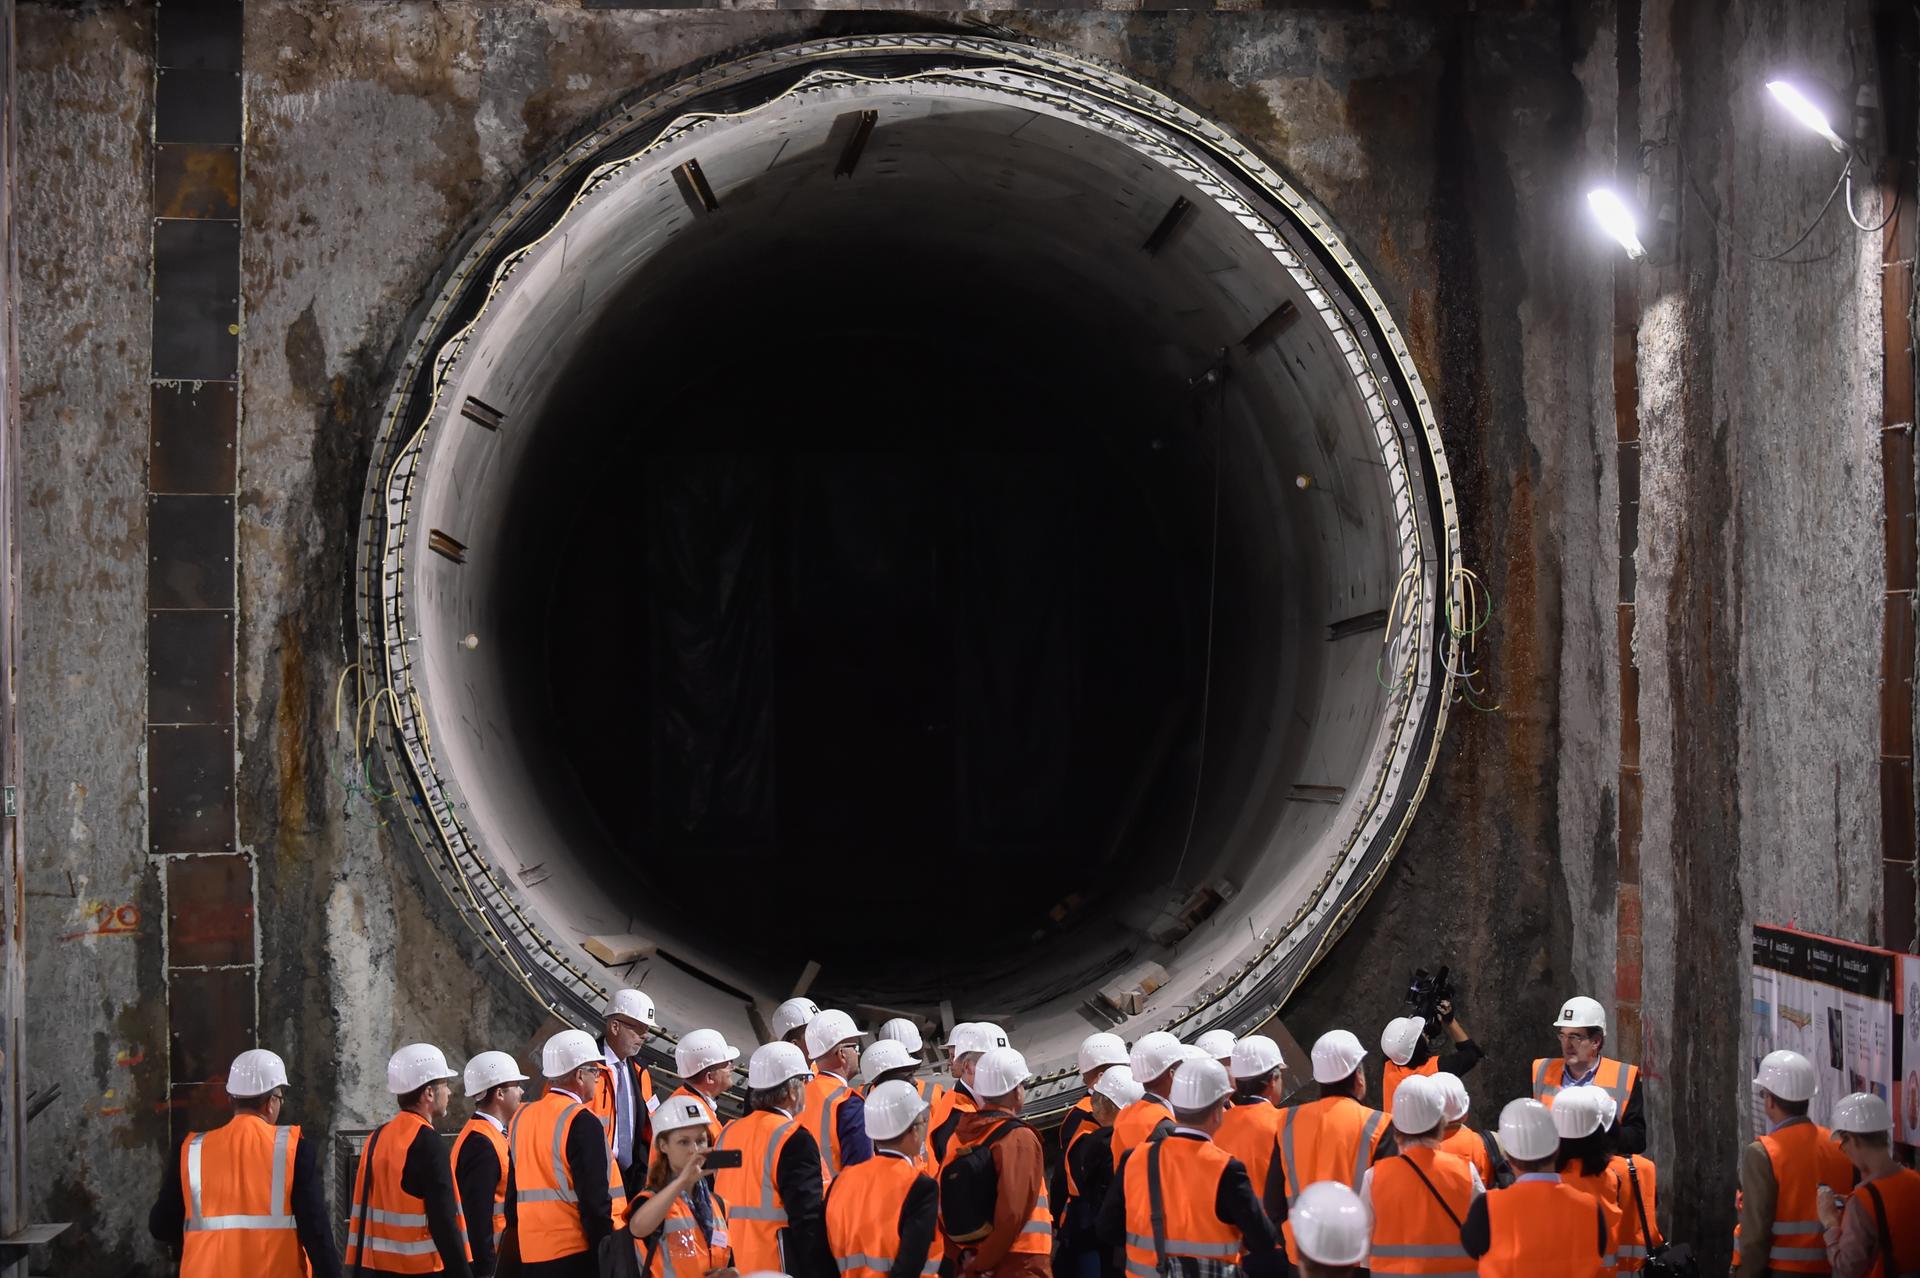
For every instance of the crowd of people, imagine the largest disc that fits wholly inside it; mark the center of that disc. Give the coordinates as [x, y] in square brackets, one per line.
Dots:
[854, 1159]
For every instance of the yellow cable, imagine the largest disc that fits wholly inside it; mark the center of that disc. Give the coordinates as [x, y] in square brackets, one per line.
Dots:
[339, 687]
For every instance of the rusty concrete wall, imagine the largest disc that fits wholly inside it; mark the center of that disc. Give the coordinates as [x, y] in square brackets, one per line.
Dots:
[1451, 148]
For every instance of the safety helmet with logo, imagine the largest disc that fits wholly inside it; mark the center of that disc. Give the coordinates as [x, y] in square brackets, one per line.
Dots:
[633, 1005]
[1101, 1049]
[1862, 1114]
[883, 1055]
[680, 1110]
[1216, 1043]
[1336, 1055]
[1119, 1086]
[1000, 1071]
[1254, 1055]
[1453, 1095]
[1200, 1084]
[892, 1108]
[791, 1015]
[902, 1030]
[414, 1066]
[255, 1072]
[1581, 1012]
[1417, 1107]
[489, 1070]
[567, 1051]
[829, 1030]
[700, 1050]
[970, 1037]
[1401, 1036]
[1155, 1054]
[1527, 1131]
[1576, 1111]
[1331, 1224]
[775, 1063]
[1788, 1075]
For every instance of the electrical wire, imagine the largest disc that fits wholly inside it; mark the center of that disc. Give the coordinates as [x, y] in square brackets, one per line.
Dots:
[1899, 192]
[1734, 236]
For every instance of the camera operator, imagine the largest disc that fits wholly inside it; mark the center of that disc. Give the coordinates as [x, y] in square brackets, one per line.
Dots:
[1411, 1045]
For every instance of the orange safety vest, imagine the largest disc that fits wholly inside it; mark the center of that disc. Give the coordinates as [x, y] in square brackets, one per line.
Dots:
[1804, 1157]
[955, 1099]
[1391, 1074]
[1541, 1227]
[239, 1198]
[758, 1213]
[1076, 1117]
[1900, 1195]
[826, 1093]
[1090, 1128]
[685, 1252]
[863, 1216]
[605, 1104]
[1413, 1232]
[1136, 1124]
[1036, 1236]
[1249, 1132]
[1615, 1078]
[1605, 1190]
[546, 1205]
[1333, 1138]
[1630, 1244]
[930, 1091]
[1472, 1146]
[485, 1129]
[389, 1234]
[1190, 1172]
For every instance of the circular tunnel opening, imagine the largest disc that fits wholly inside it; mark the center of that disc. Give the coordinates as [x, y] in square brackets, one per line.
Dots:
[919, 527]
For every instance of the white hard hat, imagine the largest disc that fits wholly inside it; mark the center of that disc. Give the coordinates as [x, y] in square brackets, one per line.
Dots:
[489, 1070]
[1216, 1043]
[700, 1050]
[1581, 1012]
[634, 1006]
[255, 1072]
[680, 1110]
[1576, 1111]
[1254, 1055]
[1788, 1075]
[567, 1051]
[1417, 1106]
[1400, 1037]
[892, 1108]
[1527, 1131]
[902, 1030]
[1331, 1224]
[1863, 1114]
[1336, 1054]
[414, 1066]
[775, 1063]
[1101, 1049]
[1155, 1054]
[1453, 1095]
[999, 1072]
[1199, 1084]
[828, 1030]
[884, 1054]
[1120, 1086]
[792, 1014]
[976, 1036]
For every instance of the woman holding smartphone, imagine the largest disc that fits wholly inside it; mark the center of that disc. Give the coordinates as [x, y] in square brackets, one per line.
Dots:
[679, 1225]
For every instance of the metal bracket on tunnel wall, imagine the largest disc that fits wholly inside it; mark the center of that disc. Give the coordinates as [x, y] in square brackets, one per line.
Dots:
[192, 487]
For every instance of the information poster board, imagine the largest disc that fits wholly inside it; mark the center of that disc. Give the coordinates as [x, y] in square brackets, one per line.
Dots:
[1832, 1002]
[1906, 1119]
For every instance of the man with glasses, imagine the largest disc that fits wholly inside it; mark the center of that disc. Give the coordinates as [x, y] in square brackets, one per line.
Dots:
[1582, 1027]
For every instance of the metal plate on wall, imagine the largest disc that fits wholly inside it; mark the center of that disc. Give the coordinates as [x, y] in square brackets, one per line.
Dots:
[190, 667]
[197, 106]
[190, 788]
[196, 291]
[196, 181]
[202, 34]
[209, 911]
[189, 552]
[209, 1021]
[191, 445]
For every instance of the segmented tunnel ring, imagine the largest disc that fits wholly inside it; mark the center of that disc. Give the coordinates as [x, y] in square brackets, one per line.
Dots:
[629, 147]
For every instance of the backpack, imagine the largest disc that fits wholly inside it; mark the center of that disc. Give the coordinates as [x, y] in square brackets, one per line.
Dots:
[970, 1189]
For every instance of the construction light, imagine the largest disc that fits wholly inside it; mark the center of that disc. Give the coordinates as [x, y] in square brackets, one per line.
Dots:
[1802, 108]
[1617, 220]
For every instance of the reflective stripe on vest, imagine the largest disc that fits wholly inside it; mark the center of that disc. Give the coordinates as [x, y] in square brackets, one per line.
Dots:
[1190, 1172]
[1802, 1157]
[1612, 1077]
[684, 1252]
[481, 1127]
[1362, 1154]
[863, 1216]
[1419, 1200]
[829, 1129]
[197, 1221]
[236, 1186]
[756, 1210]
[389, 1232]
[1540, 1227]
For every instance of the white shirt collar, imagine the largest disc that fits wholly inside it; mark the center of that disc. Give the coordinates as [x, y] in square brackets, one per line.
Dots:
[497, 1124]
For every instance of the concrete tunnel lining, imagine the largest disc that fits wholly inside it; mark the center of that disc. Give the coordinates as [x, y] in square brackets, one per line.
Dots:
[1038, 172]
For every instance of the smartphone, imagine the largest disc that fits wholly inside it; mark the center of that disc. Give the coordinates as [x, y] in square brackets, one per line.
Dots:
[720, 1158]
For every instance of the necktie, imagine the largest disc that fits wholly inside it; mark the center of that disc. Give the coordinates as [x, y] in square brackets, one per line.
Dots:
[625, 1120]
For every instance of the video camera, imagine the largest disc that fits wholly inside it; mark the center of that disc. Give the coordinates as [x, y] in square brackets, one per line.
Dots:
[1426, 992]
